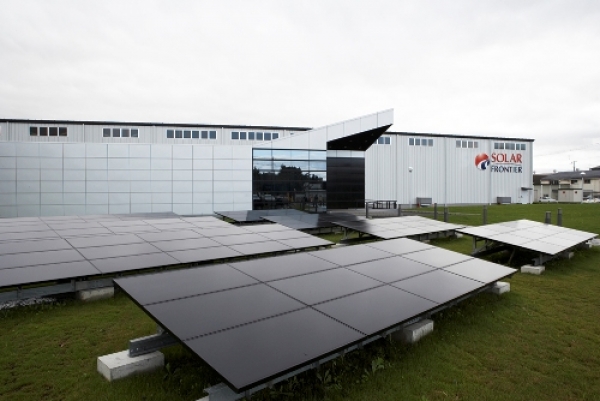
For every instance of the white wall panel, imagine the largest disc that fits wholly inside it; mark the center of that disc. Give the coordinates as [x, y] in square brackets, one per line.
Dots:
[199, 208]
[96, 150]
[226, 164]
[118, 151]
[96, 164]
[182, 186]
[242, 186]
[118, 164]
[119, 209]
[96, 175]
[139, 175]
[183, 209]
[47, 163]
[8, 149]
[242, 152]
[242, 166]
[52, 210]
[74, 198]
[51, 186]
[96, 186]
[203, 164]
[28, 186]
[161, 164]
[161, 151]
[183, 175]
[118, 198]
[28, 210]
[242, 197]
[139, 164]
[8, 162]
[161, 207]
[74, 163]
[28, 198]
[141, 186]
[202, 197]
[74, 175]
[50, 198]
[223, 197]
[222, 186]
[74, 150]
[141, 207]
[28, 162]
[182, 197]
[74, 210]
[223, 152]
[9, 174]
[99, 198]
[334, 131]
[161, 175]
[203, 175]
[161, 186]
[183, 164]
[141, 197]
[28, 149]
[8, 199]
[74, 186]
[8, 186]
[182, 152]
[54, 150]
[139, 151]
[202, 152]
[96, 209]
[300, 141]
[369, 122]
[8, 211]
[119, 186]
[223, 207]
[223, 175]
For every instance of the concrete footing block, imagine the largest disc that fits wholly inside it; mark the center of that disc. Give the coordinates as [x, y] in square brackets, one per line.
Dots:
[595, 242]
[567, 255]
[457, 235]
[119, 365]
[414, 332]
[532, 269]
[499, 288]
[95, 294]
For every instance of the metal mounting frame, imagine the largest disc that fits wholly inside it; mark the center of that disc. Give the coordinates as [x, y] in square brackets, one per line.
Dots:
[55, 289]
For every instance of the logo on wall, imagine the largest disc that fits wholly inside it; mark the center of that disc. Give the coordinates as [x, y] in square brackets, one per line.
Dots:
[482, 161]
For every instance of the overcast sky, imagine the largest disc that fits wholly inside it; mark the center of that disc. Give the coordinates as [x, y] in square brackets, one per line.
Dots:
[519, 69]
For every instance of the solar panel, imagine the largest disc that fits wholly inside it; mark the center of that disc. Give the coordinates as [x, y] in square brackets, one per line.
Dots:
[531, 235]
[119, 244]
[254, 320]
[253, 216]
[311, 221]
[398, 227]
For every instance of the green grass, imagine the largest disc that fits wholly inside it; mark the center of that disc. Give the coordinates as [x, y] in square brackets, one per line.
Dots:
[541, 341]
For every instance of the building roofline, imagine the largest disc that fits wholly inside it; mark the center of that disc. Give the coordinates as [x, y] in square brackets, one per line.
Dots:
[458, 136]
[149, 124]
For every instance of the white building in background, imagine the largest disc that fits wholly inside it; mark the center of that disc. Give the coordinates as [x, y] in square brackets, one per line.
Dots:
[91, 167]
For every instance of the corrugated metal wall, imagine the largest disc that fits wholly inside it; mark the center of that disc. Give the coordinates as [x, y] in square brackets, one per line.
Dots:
[444, 172]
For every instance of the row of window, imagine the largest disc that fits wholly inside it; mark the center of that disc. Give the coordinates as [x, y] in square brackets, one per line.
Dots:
[509, 146]
[420, 142]
[48, 131]
[190, 134]
[467, 144]
[254, 136]
[383, 140]
[120, 132]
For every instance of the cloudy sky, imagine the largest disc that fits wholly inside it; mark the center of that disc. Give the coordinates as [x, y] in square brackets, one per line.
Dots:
[520, 69]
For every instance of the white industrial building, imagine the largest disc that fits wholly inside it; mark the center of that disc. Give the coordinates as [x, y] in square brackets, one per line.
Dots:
[91, 167]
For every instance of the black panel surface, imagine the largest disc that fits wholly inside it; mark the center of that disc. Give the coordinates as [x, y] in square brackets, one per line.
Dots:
[438, 286]
[152, 288]
[352, 254]
[376, 309]
[32, 246]
[260, 247]
[182, 244]
[125, 263]
[400, 246]
[245, 238]
[39, 258]
[325, 285]
[113, 251]
[105, 240]
[200, 315]
[480, 270]
[345, 182]
[299, 243]
[200, 255]
[170, 235]
[437, 257]
[48, 272]
[391, 269]
[256, 352]
[282, 266]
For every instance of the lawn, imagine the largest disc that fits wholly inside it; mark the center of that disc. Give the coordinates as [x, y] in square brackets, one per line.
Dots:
[540, 341]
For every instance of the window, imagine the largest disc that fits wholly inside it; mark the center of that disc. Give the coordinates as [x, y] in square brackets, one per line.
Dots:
[574, 181]
[170, 134]
[466, 144]
[212, 134]
[53, 131]
[106, 132]
[417, 141]
[33, 131]
[251, 136]
[125, 132]
[134, 133]
[204, 134]
[235, 135]
[429, 142]
[383, 140]
[259, 136]
[178, 133]
[195, 134]
[275, 135]
[243, 136]
[470, 144]
[587, 181]
[62, 131]
[187, 134]
[116, 132]
[267, 136]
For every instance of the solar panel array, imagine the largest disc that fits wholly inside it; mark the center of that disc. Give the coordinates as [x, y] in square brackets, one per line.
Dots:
[254, 216]
[255, 320]
[311, 221]
[398, 227]
[34, 250]
[531, 235]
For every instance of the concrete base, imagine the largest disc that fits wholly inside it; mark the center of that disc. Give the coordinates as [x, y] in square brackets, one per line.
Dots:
[500, 287]
[457, 235]
[532, 269]
[95, 294]
[414, 332]
[120, 365]
[595, 242]
[567, 255]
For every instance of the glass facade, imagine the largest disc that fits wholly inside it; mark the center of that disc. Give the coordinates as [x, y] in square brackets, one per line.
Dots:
[283, 178]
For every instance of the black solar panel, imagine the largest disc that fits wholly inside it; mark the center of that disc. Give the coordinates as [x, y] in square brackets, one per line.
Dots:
[398, 227]
[252, 216]
[312, 221]
[107, 245]
[254, 320]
